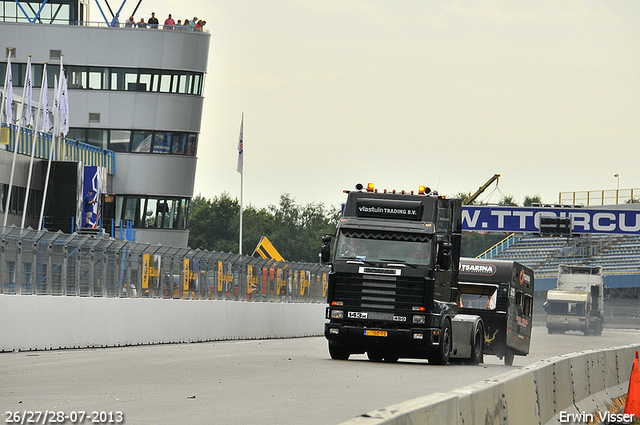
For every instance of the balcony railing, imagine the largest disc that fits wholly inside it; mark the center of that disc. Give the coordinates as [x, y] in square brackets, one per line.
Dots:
[68, 150]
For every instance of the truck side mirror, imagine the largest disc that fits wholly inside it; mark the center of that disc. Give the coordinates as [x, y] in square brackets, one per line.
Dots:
[444, 255]
[325, 250]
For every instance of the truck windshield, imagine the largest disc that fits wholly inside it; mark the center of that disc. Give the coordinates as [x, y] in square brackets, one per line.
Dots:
[389, 247]
[565, 308]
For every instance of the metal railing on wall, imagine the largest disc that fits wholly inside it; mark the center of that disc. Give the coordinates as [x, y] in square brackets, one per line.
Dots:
[600, 197]
[71, 149]
[46, 263]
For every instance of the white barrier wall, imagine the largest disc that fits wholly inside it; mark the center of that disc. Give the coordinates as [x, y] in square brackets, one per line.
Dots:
[581, 384]
[37, 322]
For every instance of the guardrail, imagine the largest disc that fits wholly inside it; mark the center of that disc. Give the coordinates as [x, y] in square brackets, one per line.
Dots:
[582, 387]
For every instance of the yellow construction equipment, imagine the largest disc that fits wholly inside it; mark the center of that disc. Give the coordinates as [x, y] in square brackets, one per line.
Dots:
[482, 188]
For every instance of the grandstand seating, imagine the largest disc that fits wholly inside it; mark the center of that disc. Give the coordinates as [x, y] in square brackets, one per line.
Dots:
[616, 254]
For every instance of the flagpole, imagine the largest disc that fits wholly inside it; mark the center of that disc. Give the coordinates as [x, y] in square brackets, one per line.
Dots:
[241, 171]
[56, 126]
[15, 143]
[43, 88]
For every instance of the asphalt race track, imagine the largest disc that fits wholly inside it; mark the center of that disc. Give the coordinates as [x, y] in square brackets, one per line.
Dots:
[243, 382]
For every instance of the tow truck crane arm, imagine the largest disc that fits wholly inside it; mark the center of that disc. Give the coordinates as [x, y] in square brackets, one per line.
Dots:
[482, 188]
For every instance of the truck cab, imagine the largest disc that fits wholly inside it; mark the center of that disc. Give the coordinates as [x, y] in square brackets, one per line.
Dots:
[393, 283]
[577, 303]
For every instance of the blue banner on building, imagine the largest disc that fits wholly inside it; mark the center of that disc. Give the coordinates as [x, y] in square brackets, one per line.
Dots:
[94, 183]
[527, 220]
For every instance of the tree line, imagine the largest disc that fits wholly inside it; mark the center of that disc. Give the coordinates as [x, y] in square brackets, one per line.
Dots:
[294, 230]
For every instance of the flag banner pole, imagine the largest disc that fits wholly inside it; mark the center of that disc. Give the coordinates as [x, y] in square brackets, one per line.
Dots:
[54, 135]
[241, 171]
[43, 89]
[17, 141]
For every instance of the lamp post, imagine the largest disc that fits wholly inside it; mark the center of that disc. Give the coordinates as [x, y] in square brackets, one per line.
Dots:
[617, 176]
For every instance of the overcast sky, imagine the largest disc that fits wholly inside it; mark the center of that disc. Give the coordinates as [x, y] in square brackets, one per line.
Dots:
[409, 92]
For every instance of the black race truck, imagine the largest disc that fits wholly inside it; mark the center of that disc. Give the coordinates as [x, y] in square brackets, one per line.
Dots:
[501, 292]
[393, 283]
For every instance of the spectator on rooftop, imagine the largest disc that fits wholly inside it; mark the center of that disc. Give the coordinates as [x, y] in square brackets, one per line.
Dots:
[142, 24]
[169, 23]
[130, 23]
[153, 21]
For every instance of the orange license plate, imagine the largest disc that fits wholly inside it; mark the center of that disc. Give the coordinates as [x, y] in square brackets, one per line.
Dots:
[375, 333]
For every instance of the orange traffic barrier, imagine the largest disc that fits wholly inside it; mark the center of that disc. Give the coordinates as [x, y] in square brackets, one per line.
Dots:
[633, 394]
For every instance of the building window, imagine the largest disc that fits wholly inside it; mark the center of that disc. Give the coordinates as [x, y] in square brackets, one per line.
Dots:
[77, 77]
[17, 200]
[161, 142]
[102, 78]
[77, 134]
[141, 141]
[178, 143]
[98, 138]
[98, 78]
[119, 140]
[192, 145]
[153, 212]
[138, 141]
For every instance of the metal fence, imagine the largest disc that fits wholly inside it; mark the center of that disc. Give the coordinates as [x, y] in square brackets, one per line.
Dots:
[46, 263]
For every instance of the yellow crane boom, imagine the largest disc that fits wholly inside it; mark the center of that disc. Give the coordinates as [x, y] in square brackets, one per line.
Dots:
[482, 188]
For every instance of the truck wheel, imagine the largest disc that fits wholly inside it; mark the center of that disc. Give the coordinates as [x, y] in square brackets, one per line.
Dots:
[508, 357]
[374, 356]
[441, 357]
[338, 353]
[599, 329]
[477, 351]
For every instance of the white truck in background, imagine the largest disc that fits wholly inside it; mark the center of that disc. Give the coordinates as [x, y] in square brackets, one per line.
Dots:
[577, 303]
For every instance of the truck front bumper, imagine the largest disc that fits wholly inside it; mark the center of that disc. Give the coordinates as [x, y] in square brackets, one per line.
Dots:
[566, 323]
[360, 339]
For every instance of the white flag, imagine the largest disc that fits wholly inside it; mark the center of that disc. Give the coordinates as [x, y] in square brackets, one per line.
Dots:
[64, 107]
[240, 148]
[46, 124]
[9, 85]
[28, 95]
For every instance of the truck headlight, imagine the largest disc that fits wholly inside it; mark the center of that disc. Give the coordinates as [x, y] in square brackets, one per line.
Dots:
[337, 314]
[418, 319]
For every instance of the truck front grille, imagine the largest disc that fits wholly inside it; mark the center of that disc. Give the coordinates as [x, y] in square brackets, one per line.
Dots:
[399, 293]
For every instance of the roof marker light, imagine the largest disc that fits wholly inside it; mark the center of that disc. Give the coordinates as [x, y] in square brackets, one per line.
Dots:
[370, 187]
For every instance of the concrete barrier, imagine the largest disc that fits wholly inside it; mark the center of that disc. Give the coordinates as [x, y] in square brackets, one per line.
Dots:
[580, 386]
[38, 322]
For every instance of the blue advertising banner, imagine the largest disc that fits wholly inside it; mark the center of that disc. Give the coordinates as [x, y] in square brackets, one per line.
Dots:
[526, 220]
[94, 183]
